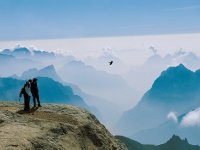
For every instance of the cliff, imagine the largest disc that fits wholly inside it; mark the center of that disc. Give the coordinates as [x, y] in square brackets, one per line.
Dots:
[53, 127]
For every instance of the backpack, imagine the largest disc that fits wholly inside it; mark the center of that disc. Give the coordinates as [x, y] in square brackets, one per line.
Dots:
[22, 91]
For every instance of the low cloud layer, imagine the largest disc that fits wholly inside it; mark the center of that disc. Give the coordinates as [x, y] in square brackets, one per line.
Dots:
[172, 116]
[191, 119]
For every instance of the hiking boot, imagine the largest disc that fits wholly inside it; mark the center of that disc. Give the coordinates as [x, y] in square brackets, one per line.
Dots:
[39, 105]
[26, 109]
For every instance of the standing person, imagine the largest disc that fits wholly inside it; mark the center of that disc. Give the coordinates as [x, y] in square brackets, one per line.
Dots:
[25, 91]
[34, 91]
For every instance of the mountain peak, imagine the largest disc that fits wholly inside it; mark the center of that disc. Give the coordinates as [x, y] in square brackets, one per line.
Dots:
[6, 51]
[173, 76]
[22, 50]
[180, 69]
[76, 63]
[48, 71]
[48, 68]
[176, 140]
[181, 66]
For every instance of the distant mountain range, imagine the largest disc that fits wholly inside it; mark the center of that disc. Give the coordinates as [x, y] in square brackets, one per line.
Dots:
[10, 65]
[175, 143]
[99, 83]
[20, 59]
[137, 77]
[17, 61]
[142, 77]
[48, 71]
[23, 52]
[176, 89]
[106, 111]
[109, 86]
[50, 91]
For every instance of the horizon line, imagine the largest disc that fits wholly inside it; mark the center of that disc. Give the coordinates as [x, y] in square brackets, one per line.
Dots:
[104, 37]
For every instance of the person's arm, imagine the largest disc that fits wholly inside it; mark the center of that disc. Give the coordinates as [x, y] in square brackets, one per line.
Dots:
[20, 94]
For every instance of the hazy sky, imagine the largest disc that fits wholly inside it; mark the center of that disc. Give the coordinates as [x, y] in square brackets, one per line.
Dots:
[132, 50]
[45, 19]
[126, 27]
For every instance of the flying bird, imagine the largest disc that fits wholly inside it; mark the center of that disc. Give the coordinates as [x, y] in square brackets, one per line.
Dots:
[111, 62]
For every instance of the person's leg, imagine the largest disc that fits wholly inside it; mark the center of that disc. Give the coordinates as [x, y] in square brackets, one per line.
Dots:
[34, 101]
[38, 99]
[28, 102]
[26, 105]
[24, 102]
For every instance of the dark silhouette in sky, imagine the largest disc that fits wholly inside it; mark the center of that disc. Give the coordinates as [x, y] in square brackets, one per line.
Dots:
[111, 62]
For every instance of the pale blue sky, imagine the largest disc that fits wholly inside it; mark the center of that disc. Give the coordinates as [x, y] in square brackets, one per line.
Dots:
[46, 19]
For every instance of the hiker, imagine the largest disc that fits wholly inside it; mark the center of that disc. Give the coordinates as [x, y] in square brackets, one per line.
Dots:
[25, 91]
[34, 91]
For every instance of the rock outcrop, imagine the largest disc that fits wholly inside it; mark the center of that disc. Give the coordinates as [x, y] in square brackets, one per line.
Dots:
[53, 127]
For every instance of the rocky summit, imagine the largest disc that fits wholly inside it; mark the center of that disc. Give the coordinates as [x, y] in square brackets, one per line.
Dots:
[53, 127]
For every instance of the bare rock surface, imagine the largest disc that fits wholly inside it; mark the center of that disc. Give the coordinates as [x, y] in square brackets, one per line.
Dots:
[53, 127]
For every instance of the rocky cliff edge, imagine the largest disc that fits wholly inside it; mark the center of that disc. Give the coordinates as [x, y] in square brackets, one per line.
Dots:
[53, 127]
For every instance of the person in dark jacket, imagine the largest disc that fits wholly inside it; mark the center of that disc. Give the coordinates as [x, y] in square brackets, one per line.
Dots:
[34, 91]
[25, 91]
